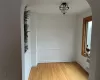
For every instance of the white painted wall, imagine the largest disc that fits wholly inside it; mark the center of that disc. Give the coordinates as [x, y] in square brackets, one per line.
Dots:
[22, 42]
[80, 58]
[55, 37]
[33, 18]
[28, 64]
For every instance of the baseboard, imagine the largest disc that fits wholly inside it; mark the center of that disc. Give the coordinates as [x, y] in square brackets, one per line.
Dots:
[35, 65]
[54, 61]
[82, 67]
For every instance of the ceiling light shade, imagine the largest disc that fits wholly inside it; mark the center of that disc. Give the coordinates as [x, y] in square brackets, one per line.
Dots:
[64, 7]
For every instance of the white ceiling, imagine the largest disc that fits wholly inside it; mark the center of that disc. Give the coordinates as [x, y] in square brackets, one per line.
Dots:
[52, 6]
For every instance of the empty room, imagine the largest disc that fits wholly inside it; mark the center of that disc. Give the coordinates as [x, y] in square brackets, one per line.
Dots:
[57, 39]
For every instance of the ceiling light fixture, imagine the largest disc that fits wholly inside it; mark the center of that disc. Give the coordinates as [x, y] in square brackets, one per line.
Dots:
[64, 7]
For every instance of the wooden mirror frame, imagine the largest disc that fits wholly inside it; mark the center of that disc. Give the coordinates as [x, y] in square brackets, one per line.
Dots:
[84, 33]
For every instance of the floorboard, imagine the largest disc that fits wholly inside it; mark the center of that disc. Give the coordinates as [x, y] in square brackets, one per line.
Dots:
[58, 71]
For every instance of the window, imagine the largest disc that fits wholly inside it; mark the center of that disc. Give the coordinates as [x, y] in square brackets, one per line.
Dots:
[86, 36]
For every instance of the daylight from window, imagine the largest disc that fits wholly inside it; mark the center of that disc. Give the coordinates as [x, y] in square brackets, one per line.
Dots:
[89, 33]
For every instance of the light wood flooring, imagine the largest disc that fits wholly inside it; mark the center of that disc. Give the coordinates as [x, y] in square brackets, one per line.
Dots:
[58, 71]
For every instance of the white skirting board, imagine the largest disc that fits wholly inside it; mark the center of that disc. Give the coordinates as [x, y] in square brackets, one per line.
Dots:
[85, 67]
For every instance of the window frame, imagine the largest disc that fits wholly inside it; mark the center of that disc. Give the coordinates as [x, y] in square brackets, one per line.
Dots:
[84, 33]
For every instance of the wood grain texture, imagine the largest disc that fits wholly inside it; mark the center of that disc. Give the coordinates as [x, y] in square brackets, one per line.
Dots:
[58, 71]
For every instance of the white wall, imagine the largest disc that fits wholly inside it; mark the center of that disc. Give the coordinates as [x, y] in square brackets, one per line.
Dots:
[55, 38]
[28, 64]
[80, 58]
[22, 42]
[34, 24]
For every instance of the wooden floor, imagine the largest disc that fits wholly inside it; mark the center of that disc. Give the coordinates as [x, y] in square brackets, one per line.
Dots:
[58, 71]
